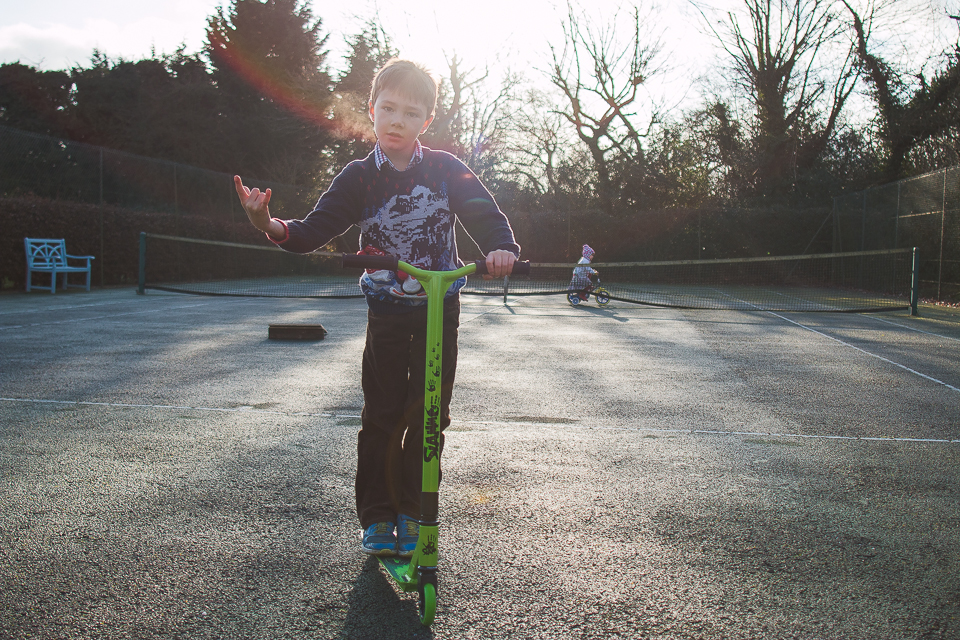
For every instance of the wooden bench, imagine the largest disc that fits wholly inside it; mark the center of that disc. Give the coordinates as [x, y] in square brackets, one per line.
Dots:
[46, 255]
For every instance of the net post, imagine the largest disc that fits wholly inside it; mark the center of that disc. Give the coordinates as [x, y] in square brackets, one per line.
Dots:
[915, 283]
[142, 271]
[506, 286]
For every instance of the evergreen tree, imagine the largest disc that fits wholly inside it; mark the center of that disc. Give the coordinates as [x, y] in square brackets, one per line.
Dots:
[275, 100]
[34, 100]
[159, 107]
[369, 50]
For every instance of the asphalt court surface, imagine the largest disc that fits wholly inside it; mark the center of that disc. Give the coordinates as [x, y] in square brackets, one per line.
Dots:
[632, 472]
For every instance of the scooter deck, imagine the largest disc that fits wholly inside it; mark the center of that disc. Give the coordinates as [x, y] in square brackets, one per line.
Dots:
[397, 568]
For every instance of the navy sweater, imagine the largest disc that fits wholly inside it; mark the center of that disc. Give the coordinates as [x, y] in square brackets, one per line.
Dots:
[410, 214]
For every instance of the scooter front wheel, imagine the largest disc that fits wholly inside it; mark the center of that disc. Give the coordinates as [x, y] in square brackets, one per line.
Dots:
[428, 603]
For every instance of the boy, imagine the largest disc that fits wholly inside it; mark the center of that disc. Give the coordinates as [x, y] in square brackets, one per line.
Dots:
[405, 198]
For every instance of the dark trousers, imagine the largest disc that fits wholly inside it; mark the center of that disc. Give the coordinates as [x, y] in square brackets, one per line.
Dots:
[390, 442]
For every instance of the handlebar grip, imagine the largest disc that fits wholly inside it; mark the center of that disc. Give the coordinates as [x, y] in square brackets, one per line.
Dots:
[520, 267]
[357, 261]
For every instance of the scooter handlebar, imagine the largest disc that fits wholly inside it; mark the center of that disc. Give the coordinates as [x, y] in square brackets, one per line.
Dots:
[520, 267]
[361, 261]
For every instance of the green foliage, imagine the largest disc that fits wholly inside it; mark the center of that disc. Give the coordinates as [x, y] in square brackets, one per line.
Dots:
[154, 107]
[34, 100]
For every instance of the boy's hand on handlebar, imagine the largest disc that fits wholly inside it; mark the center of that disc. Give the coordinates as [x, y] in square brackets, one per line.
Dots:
[499, 264]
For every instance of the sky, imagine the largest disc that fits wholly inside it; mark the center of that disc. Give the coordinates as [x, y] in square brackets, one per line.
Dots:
[494, 34]
[59, 34]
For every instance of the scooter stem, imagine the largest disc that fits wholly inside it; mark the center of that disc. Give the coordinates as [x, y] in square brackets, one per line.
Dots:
[436, 284]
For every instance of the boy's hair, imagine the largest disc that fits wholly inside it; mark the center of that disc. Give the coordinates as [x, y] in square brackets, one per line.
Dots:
[409, 79]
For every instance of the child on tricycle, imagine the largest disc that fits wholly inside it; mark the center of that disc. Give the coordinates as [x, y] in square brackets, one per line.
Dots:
[586, 280]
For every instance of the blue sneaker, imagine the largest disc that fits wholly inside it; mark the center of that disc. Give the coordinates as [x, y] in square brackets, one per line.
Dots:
[379, 539]
[408, 532]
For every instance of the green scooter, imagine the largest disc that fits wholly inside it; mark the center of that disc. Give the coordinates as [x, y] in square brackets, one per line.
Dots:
[419, 572]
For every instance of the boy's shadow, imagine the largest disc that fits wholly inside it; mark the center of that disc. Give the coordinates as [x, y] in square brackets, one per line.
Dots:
[375, 610]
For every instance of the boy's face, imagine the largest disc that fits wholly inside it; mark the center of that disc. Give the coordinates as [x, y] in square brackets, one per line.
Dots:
[398, 122]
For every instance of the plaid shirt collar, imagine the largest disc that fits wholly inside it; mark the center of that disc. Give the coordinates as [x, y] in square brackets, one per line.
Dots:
[380, 157]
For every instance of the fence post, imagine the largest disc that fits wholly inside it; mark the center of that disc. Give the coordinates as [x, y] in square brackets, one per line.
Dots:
[176, 203]
[863, 236]
[863, 223]
[142, 271]
[700, 246]
[915, 283]
[896, 220]
[102, 257]
[943, 230]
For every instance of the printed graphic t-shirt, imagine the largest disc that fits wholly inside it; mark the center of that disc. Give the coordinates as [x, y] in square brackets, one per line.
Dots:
[411, 214]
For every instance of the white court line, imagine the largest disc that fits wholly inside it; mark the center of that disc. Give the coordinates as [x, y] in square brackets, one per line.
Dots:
[89, 318]
[903, 326]
[847, 344]
[172, 407]
[62, 307]
[713, 432]
[498, 423]
[863, 351]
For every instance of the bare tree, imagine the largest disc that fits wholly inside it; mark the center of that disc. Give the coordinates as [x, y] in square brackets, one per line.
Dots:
[538, 144]
[909, 117]
[471, 118]
[778, 60]
[485, 123]
[445, 131]
[600, 77]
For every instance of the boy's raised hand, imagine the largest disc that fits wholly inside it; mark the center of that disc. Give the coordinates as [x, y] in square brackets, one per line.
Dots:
[255, 203]
[499, 264]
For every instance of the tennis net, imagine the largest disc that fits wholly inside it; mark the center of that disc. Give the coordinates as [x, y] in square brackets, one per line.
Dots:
[850, 282]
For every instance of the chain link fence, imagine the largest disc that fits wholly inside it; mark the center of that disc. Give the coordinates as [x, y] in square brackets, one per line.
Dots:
[48, 167]
[922, 211]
